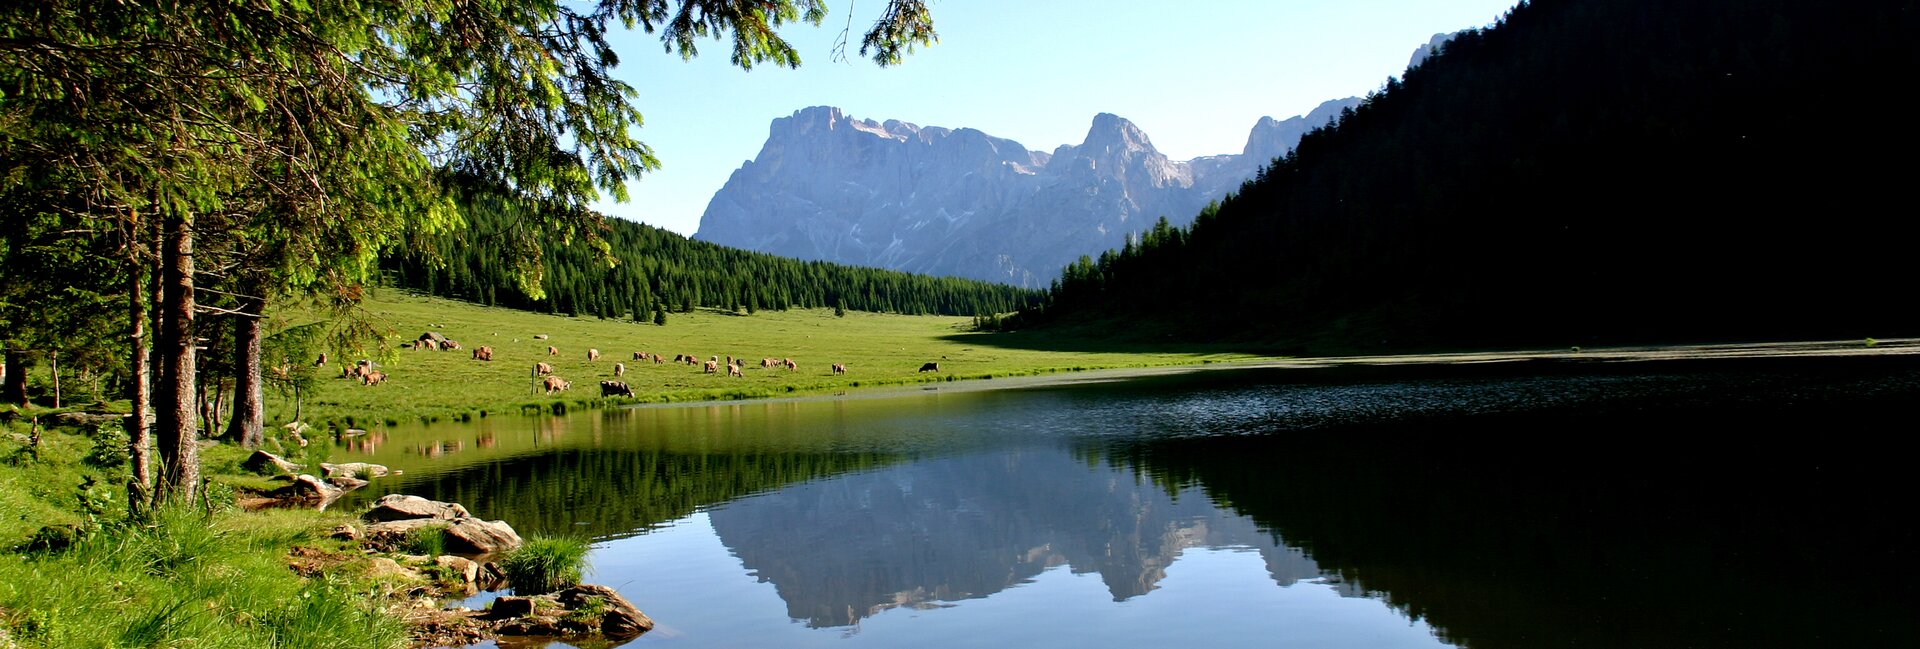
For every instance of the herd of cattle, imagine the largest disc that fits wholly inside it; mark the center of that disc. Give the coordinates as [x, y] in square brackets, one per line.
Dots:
[364, 371]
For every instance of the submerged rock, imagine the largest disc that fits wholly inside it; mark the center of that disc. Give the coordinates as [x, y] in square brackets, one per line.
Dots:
[619, 618]
[581, 611]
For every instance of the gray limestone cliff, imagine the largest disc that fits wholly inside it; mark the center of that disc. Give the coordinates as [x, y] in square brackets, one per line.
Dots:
[961, 202]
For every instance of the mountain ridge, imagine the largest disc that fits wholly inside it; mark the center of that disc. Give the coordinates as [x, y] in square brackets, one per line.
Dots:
[958, 201]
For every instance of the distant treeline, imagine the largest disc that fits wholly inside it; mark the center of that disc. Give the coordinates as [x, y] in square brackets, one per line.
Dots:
[1626, 170]
[657, 271]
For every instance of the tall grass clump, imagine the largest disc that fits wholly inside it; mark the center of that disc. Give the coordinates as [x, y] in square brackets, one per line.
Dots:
[429, 540]
[545, 564]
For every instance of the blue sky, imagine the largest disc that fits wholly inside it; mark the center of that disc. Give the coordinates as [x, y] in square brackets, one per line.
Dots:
[1194, 75]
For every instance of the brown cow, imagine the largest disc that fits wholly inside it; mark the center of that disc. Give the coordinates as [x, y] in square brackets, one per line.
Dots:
[713, 366]
[593, 354]
[542, 369]
[639, 356]
[484, 353]
[555, 384]
[790, 364]
[553, 351]
[619, 369]
[321, 361]
[930, 367]
[839, 368]
[657, 359]
[615, 389]
[373, 377]
[734, 370]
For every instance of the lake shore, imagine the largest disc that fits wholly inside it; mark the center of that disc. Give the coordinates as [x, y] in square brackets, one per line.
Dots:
[1390, 366]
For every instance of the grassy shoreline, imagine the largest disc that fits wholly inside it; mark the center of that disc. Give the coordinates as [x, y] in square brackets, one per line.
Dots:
[878, 350]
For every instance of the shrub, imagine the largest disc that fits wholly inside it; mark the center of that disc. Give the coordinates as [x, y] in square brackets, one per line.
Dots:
[109, 447]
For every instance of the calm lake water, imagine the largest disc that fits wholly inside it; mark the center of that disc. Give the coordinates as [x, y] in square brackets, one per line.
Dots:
[1725, 504]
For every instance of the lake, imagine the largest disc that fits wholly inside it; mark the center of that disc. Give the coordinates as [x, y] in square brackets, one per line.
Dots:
[1730, 503]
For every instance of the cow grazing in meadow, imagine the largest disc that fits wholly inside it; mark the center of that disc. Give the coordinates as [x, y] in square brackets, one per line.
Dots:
[593, 354]
[555, 384]
[615, 389]
[839, 368]
[658, 360]
[553, 351]
[484, 353]
[930, 367]
[791, 366]
[766, 363]
[320, 361]
[639, 356]
[713, 366]
[373, 377]
[539, 336]
[542, 369]
[619, 369]
[734, 370]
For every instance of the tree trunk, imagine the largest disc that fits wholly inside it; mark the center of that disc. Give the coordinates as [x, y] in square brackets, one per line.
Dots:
[249, 409]
[15, 382]
[174, 391]
[140, 485]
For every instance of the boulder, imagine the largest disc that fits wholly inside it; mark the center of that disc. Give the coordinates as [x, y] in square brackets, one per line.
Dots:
[346, 484]
[619, 618]
[307, 489]
[475, 536]
[353, 470]
[265, 463]
[468, 570]
[466, 535]
[507, 608]
[345, 533]
[399, 507]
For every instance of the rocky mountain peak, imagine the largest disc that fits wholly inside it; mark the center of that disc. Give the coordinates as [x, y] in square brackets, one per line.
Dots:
[1113, 133]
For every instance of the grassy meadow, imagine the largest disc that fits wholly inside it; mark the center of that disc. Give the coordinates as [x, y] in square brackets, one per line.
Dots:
[878, 349]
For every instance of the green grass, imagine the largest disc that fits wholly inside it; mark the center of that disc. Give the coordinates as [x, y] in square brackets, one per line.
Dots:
[186, 579]
[545, 564]
[429, 540]
[878, 350]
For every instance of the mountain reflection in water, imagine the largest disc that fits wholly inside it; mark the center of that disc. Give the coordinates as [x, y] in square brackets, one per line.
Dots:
[968, 527]
[1735, 504]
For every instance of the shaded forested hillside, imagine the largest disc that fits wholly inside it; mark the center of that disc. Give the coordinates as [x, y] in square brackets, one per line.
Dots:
[656, 271]
[1584, 171]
